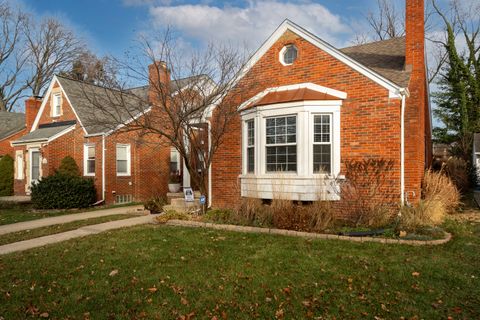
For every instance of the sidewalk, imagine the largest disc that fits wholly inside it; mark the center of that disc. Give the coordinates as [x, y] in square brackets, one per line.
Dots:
[45, 222]
[81, 232]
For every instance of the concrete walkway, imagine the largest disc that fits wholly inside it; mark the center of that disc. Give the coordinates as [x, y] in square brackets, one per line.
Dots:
[81, 232]
[45, 222]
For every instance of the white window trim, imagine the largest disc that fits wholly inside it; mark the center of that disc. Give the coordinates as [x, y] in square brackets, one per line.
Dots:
[19, 164]
[129, 160]
[305, 112]
[282, 52]
[54, 107]
[286, 144]
[30, 169]
[85, 159]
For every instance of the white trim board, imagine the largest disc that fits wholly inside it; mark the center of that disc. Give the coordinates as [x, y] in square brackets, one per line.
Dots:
[44, 102]
[324, 46]
[47, 140]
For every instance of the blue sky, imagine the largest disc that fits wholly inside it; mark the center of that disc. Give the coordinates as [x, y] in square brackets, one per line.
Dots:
[111, 26]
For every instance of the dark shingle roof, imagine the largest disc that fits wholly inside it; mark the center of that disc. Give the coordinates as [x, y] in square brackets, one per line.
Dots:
[116, 106]
[386, 57]
[10, 123]
[43, 134]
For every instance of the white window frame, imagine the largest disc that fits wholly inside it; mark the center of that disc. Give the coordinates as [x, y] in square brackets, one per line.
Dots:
[129, 158]
[330, 143]
[249, 146]
[85, 159]
[281, 57]
[285, 144]
[19, 165]
[55, 112]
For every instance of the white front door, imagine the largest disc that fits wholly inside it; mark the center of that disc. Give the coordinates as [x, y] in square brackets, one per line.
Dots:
[34, 165]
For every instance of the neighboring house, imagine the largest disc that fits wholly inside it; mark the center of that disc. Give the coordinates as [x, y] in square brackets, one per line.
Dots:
[12, 126]
[476, 153]
[315, 106]
[126, 166]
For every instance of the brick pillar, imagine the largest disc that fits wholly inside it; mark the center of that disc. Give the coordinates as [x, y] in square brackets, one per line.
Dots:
[416, 116]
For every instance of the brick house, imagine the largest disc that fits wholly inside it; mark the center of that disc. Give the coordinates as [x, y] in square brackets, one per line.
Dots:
[12, 126]
[125, 165]
[314, 106]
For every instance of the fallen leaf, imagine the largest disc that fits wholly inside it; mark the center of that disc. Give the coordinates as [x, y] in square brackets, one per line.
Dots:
[279, 314]
[113, 273]
[44, 315]
[152, 290]
[183, 301]
[415, 274]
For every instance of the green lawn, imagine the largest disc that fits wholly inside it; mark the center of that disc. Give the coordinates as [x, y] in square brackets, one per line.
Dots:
[170, 272]
[44, 231]
[13, 213]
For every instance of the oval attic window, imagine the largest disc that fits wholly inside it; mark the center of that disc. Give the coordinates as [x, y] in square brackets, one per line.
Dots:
[289, 54]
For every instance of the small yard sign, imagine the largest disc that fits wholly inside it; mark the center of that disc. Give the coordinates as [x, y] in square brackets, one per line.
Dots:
[188, 192]
[203, 199]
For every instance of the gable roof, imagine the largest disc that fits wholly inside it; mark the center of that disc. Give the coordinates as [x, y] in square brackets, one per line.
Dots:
[121, 106]
[11, 123]
[359, 66]
[386, 57]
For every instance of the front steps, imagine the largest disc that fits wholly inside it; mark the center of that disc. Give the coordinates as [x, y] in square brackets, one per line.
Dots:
[178, 204]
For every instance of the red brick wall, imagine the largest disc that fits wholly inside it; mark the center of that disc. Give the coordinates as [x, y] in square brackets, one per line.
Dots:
[370, 121]
[67, 112]
[5, 147]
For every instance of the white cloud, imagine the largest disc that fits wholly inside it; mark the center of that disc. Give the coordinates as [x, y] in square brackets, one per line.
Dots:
[250, 25]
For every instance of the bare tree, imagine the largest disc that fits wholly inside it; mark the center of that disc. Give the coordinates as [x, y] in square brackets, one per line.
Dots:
[12, 57]
[192, 100]
[51, 48]
[386, 22]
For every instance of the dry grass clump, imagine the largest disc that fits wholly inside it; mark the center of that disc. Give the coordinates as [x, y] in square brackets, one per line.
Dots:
[439, 198]
[438, 187]
[321, 215]
[252, 212]
[425, 213]
[173, 215]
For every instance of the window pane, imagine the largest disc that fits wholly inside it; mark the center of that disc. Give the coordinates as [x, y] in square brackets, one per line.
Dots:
[290, 54]
[281, 158]
[281, 130]
[250, 133]
[251, 159]
[35, 165]
[321, 128]
[122, 166]
[90, 166]
[121, 153]
[91, 152]
[322, 158]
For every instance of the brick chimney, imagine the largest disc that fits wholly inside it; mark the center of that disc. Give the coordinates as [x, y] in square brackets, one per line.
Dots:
[417, 118]
[159, 78]
[415, 35]
[32, 105]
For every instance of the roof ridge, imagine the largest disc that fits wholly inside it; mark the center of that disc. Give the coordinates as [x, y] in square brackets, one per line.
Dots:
[373, 42]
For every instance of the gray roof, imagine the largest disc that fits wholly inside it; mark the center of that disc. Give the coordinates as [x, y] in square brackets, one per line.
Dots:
[42, 134]
[101, 109]
[11, 123]
[386, 57]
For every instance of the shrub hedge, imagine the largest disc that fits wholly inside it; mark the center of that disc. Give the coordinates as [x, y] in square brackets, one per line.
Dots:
[6, 176]
[63, 191]
[68, 166]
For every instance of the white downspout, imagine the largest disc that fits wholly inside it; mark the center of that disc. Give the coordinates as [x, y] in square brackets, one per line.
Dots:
[210, 166]
[103, 167]
[402, 150]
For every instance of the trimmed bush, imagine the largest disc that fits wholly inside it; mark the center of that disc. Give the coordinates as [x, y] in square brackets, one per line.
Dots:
[68, 166]
[63, 191]
[6, 176]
